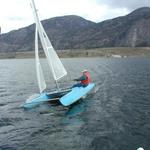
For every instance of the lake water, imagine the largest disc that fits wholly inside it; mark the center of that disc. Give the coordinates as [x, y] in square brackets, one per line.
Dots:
[115, 116]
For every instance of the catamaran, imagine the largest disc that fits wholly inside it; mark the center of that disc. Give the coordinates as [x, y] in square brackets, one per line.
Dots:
[66, 96]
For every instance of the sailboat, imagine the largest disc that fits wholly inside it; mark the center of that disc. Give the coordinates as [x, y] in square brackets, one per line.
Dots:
[65, 96]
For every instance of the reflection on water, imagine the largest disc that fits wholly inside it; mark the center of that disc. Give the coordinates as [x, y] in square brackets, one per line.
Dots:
[76, 109]
[115, 116]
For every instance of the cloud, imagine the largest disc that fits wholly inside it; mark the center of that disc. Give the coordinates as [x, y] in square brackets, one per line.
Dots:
[14, 14]
[128, 4]
[17, 13]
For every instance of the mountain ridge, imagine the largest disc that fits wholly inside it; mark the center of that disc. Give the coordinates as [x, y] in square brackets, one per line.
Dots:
[75, 32]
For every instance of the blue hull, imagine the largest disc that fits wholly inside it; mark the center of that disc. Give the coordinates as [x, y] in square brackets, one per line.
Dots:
[75, 94]
[36, 101]
[44, 97]
[66, 97]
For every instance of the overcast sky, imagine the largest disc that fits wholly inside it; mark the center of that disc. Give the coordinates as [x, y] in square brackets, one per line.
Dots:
[16, 14]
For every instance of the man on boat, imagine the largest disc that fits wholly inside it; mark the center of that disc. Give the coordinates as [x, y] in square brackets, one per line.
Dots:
[85, 79]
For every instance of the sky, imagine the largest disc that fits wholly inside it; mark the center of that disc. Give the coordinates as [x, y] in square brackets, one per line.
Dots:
[15, 14]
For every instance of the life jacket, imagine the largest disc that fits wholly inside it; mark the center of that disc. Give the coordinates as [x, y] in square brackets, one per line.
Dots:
[88, 78]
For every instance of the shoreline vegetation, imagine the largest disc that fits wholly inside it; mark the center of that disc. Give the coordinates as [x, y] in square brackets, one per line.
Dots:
[119, 52]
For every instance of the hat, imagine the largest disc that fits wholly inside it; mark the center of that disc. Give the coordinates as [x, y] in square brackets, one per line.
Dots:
[84, 71]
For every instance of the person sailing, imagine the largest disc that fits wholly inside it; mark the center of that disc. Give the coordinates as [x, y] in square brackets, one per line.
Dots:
[85, 79]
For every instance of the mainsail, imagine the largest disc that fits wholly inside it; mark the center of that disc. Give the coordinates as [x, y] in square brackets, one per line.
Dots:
[54, 62]
[40, 76]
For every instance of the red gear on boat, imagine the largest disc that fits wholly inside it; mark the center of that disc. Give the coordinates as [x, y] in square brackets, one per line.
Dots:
[88, 78]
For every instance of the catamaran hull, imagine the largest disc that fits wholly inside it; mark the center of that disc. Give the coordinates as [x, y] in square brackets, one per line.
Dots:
[45, 97]
[66, 97]
[36, 101]
[75, 94]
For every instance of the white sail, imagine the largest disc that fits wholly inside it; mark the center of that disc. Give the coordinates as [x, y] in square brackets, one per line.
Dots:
[54, 62]
[40, 76]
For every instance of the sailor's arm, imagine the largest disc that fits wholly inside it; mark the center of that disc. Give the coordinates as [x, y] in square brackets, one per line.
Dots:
[81, 78]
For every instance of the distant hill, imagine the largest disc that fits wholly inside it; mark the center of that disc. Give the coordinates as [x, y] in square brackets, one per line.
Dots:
[74, 32]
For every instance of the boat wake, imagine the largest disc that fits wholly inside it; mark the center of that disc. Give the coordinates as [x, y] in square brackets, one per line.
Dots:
[103, 73]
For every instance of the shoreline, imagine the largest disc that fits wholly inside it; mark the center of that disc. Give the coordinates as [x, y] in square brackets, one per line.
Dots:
[118, 52]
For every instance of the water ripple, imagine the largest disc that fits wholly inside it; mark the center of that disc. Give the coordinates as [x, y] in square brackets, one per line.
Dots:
[115, 116]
